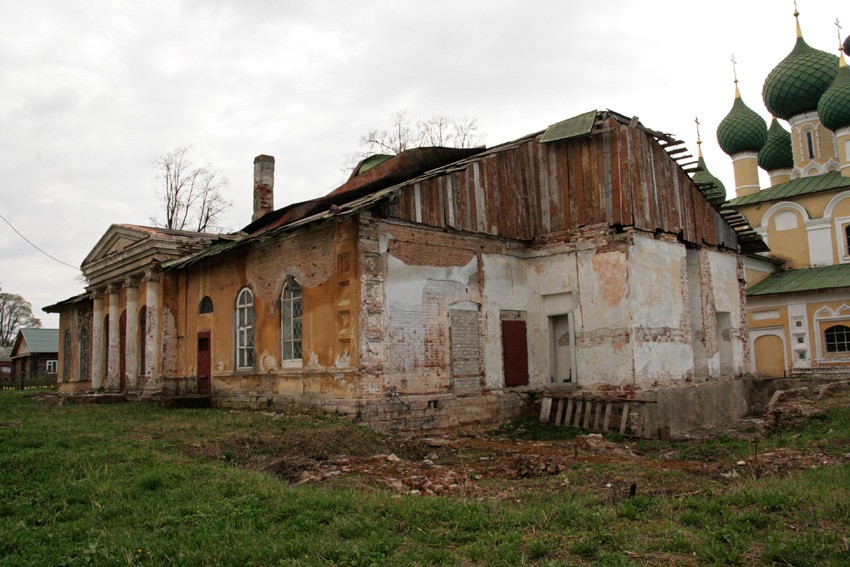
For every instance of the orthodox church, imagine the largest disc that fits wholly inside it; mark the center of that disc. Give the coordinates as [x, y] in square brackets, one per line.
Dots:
[798, 294]
[441, 287]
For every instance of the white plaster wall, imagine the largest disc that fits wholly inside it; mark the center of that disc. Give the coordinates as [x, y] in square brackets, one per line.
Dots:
[417, 299]
[727, 297]
[605, 350]
[660, 311]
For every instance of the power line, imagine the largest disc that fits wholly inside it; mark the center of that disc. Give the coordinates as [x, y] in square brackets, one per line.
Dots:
[28, 241]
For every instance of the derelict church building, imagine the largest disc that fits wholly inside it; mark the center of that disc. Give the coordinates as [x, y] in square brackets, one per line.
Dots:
[435, 288]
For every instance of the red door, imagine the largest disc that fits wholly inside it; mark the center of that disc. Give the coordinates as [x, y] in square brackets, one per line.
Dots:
[204, 363]
[515, 353]
[122, 356]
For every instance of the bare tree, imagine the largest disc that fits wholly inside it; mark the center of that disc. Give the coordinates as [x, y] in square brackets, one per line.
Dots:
[191, 195]
[393, 140]
[15, 314]
[449, 131]
[439, 130]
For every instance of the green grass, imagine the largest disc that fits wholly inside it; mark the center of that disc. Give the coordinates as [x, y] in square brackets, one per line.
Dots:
[121, 484]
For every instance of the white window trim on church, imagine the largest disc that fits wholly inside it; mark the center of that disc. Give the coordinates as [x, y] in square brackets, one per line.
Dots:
[827, 315]
[244, 329]
[291, 302]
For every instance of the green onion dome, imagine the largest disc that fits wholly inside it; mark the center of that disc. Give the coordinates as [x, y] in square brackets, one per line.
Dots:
[743, 130]
[777, 152]
[797, 83]
[710, 186]
[834, 105]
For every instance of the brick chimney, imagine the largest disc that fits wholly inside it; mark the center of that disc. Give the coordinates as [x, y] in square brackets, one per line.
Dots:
[263, 186]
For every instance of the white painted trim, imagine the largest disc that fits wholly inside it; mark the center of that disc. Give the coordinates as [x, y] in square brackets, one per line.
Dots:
[832, 318]
[830, 207]
[765, 218]
[843, 253]
[770, 331]
[744, 155]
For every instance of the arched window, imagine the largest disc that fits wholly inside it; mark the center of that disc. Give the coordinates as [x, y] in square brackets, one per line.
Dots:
[143, 339]
[245, 329]
[837, 339]
[847, 238]
[810, 144]
[206, 305]
[85, 352]
[66, 356]
[290, 321]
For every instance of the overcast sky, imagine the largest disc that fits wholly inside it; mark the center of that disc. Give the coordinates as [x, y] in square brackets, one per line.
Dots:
[92, 91]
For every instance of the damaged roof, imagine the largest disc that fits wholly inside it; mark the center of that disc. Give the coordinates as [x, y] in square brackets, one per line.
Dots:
[378, 176]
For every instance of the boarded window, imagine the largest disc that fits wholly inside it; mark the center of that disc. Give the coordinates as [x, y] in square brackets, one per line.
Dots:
[515, 352]
[465, 354]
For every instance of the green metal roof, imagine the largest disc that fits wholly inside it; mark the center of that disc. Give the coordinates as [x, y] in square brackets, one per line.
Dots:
[41, 340]
[834, 105]
[777, 152]
[371, 162]
[709, 185]
[742, 130]
[580, 125]
[796, 188]
[797, 83]
[807, 279]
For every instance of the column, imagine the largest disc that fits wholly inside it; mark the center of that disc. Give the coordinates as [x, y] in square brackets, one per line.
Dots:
[97, 340]
[132, 337]
[152, 350]
[114, 338]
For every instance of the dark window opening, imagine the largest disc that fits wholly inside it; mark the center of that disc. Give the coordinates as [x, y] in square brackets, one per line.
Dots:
[811, 145]
[206, 306]
[837, 339]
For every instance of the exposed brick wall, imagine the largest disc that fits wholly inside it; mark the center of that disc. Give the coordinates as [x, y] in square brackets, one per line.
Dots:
[464, 331]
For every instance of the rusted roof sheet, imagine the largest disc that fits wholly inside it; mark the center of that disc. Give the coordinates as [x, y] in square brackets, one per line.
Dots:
[393, 171]
[70, 301]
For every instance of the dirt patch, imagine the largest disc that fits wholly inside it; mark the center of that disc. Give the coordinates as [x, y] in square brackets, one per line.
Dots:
[502, 467]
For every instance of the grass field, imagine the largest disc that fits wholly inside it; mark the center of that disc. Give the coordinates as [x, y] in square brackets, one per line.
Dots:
[139, 484]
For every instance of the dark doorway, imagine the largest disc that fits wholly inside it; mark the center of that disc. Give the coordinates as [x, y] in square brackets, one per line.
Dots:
[122, 354]
[515, 353]
[204, 363]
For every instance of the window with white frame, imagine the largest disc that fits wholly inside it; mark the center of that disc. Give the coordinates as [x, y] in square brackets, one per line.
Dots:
[837, 338]
[290, 321]
[51, 366]
[245, 329]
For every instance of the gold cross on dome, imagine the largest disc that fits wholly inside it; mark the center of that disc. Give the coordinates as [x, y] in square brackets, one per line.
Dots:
[734, 68]
[699, 140]
[838, 29]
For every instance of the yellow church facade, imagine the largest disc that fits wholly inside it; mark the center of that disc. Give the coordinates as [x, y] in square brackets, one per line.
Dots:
[798, 294]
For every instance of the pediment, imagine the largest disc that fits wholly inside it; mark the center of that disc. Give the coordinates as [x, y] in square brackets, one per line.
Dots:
[116, 239]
